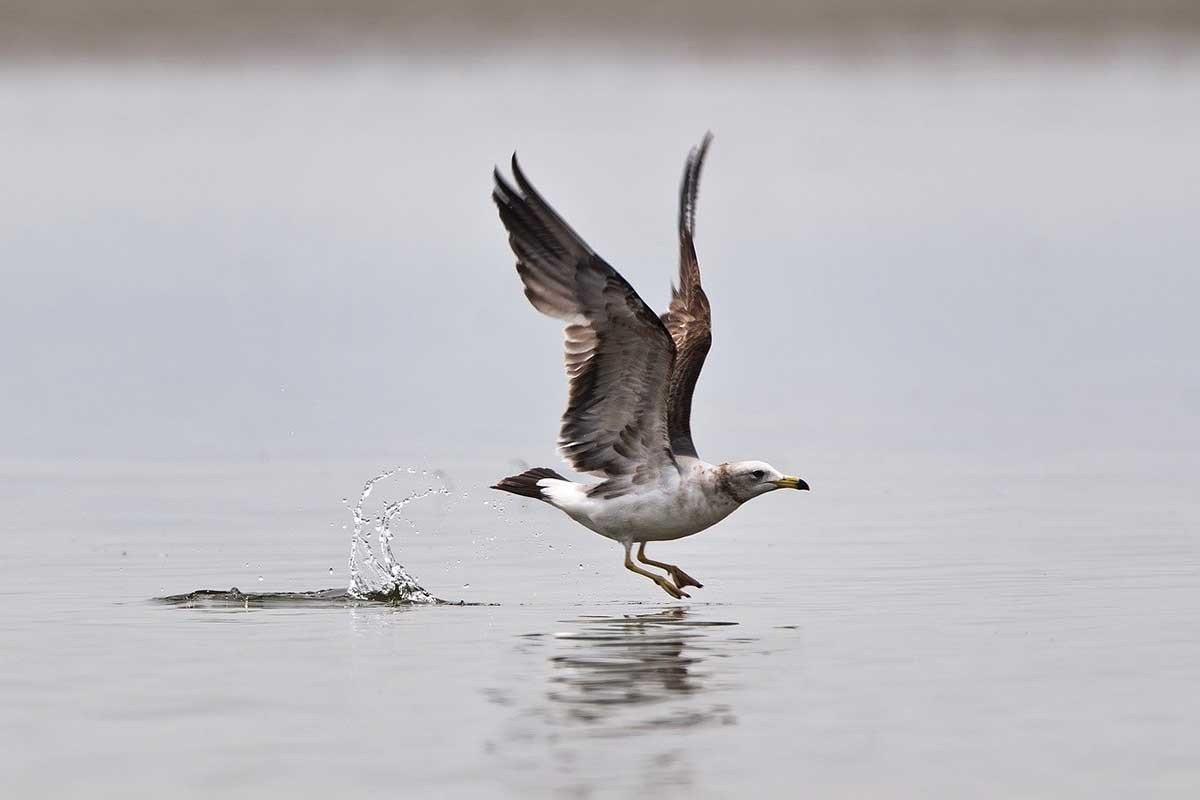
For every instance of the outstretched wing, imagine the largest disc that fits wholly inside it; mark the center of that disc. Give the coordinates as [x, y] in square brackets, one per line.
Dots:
[688, 319]
[618, 354]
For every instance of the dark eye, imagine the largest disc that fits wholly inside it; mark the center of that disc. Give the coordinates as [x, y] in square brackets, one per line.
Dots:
[757, 474]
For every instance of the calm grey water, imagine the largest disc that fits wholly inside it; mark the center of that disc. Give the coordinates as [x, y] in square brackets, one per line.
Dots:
[992, 631]
[956, 295]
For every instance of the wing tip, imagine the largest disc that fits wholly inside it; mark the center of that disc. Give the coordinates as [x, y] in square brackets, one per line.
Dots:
[689, 189]
[502, 190]
[503, 187]
[523, 192]
[523, 182]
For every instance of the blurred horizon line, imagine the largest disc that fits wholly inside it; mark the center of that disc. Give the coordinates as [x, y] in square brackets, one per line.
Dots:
[851, 29]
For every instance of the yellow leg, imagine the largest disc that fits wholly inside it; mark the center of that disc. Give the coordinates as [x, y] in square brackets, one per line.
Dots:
[681, 578]
[662, 582]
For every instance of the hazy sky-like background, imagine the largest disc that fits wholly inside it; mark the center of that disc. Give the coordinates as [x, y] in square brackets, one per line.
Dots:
[260, 233]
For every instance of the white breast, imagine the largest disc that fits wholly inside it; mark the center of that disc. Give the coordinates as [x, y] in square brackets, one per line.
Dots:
[678, 507]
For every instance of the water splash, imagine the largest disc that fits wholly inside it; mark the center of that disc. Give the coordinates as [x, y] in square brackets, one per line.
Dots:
[375, 574]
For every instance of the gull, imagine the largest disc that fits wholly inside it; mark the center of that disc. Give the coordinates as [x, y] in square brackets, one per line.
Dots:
[631, 375]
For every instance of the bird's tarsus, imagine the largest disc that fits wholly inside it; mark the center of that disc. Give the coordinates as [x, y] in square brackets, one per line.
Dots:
[662, 582]
[681, 578]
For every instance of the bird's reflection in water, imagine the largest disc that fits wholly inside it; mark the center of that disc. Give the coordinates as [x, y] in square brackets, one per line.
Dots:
[627, 700]
[629, 673]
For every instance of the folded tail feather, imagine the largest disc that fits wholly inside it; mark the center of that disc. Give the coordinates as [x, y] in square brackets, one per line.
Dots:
[526, 484]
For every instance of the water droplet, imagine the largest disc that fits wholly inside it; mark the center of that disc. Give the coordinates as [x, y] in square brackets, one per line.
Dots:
[331, 569]
[580, 566]
[260, 577]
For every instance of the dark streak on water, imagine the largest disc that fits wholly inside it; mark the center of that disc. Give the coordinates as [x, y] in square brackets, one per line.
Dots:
[234, 597]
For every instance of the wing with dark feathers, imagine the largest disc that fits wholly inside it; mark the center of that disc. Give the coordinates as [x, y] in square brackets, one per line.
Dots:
[689, 319]
[619, 355]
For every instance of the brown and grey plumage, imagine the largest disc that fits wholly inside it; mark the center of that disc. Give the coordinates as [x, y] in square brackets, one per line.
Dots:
[689, 318]
[631, 377]
[619, 355]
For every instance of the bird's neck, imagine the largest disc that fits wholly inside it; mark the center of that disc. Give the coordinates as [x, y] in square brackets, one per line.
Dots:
[714, 478]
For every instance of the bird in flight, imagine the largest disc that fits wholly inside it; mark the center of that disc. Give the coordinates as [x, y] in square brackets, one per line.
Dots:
[631, 375]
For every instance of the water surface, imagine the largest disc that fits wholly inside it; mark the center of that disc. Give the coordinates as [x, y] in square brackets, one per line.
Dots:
[974, 633]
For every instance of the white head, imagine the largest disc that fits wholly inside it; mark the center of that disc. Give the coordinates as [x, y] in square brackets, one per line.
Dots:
[745, 480]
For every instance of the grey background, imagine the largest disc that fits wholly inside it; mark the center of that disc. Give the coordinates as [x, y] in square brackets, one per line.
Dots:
[285, 258]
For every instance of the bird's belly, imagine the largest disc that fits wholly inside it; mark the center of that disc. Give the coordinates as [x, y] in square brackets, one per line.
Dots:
[660, 517]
